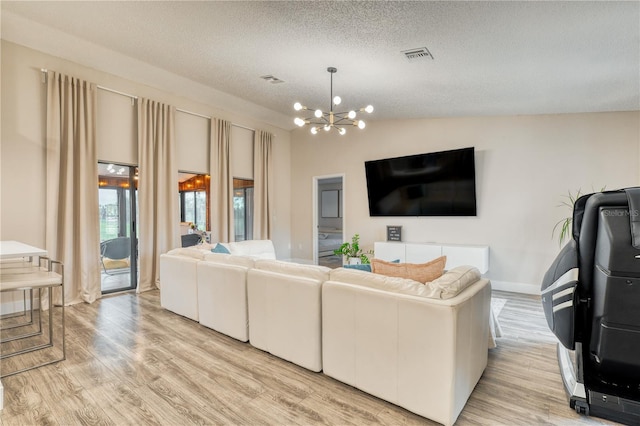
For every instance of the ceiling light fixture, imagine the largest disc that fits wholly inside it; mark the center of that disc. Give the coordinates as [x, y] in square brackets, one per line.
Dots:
[331, 120]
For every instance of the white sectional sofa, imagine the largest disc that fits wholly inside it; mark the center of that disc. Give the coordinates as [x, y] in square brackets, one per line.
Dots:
[422, 347]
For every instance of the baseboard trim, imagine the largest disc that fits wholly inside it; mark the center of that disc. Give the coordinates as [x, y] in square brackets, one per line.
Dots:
[514, 287]
[14, 306]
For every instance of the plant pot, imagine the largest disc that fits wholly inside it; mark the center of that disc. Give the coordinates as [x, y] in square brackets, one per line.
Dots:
[354, 261]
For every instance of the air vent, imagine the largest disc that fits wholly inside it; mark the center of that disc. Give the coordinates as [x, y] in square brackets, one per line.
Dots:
[271, 79]
[418, 54]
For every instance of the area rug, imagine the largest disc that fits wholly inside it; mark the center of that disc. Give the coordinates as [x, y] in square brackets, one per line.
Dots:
[497, 304]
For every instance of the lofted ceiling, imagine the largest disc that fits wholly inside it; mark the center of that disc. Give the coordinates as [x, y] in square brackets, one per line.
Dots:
[489, 58]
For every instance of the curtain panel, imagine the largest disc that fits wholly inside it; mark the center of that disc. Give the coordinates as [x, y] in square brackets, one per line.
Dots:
[158, 227]
[263, 185]
[221, 203]
[72, 231]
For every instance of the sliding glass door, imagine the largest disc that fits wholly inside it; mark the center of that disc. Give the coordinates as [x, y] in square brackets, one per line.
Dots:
[243, 209]
[117, 193]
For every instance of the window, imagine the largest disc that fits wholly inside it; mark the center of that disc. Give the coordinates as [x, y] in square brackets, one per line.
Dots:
[243, 209]
[194, 193]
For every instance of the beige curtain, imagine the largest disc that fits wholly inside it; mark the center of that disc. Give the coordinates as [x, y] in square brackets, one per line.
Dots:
[158, 227]
[262, 185]
[221, 203]
[72, 226]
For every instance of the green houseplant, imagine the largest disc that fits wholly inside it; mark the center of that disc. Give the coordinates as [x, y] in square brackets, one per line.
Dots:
[565, 225]
[352, 250]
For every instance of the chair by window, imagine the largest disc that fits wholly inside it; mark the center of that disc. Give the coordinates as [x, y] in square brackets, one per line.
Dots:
[115, 255]
[189, 240]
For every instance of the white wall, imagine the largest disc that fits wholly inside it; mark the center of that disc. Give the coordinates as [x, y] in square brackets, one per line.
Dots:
[524, 166]
[22, 150]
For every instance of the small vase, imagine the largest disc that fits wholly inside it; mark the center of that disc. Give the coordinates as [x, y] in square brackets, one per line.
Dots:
[354, 261]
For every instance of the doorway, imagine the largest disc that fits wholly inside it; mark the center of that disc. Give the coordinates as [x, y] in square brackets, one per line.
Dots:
[117, 198]
[328, 219]
[243, 209]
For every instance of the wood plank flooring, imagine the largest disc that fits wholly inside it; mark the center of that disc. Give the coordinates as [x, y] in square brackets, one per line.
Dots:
[131, 362]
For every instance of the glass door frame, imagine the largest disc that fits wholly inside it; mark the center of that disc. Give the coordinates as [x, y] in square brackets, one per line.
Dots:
[131, 223]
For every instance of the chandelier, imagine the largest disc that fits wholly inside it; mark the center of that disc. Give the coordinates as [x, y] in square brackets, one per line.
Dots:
[331, 120]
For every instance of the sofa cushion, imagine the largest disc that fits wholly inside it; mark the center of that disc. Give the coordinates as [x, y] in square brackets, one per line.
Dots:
[316, 272]
[230, 259]
[220, 248]
[421, 272]
[257, 249]
[377, 281]
[192, 252]
[453, 282]
[205, 246]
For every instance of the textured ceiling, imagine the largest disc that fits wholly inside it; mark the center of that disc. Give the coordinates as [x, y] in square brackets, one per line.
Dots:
[490, 58]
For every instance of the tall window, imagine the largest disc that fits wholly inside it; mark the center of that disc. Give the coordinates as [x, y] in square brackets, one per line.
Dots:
[194, 193]
[243, 209]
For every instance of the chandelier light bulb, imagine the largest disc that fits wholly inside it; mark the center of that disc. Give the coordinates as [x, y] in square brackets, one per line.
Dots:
[336, 100]
[314, 130]
[361, 124]
[342, 131]
[369, 109]
[297, 106]
[352, 115]
[299, 121]
[327, 127]
[318, 113]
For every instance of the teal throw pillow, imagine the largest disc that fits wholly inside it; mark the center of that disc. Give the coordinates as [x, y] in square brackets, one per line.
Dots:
[219, 248]
[361, 267]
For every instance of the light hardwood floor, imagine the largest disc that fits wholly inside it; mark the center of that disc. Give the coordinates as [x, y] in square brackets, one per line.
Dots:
[131, 362]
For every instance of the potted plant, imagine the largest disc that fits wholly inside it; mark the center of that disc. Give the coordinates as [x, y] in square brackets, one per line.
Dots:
[565, 225]
[353, 252]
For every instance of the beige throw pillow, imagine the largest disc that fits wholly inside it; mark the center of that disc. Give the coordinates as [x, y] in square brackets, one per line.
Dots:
[421, 272]
[453, 282]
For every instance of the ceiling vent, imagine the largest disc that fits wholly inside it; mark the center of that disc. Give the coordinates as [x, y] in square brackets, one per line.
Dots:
[271, 79]
[418, 54]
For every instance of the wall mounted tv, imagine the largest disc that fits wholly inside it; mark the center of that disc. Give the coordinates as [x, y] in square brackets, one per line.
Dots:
[433, 184]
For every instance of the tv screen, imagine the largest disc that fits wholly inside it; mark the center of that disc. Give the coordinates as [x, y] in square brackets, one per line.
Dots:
[432, 184]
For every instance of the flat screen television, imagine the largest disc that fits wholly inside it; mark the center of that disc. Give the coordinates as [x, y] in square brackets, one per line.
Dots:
[432, 184]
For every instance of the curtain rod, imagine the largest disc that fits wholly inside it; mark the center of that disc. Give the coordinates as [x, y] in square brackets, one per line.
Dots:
[44, 71]
[209, 118]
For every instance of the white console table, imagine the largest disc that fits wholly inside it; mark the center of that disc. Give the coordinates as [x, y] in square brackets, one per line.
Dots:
[16, 249]
[457, 254]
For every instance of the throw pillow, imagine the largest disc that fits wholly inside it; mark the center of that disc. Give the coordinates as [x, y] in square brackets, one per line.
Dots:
[453, 282]
[421, 272]
[219, 248]
[361, 267]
